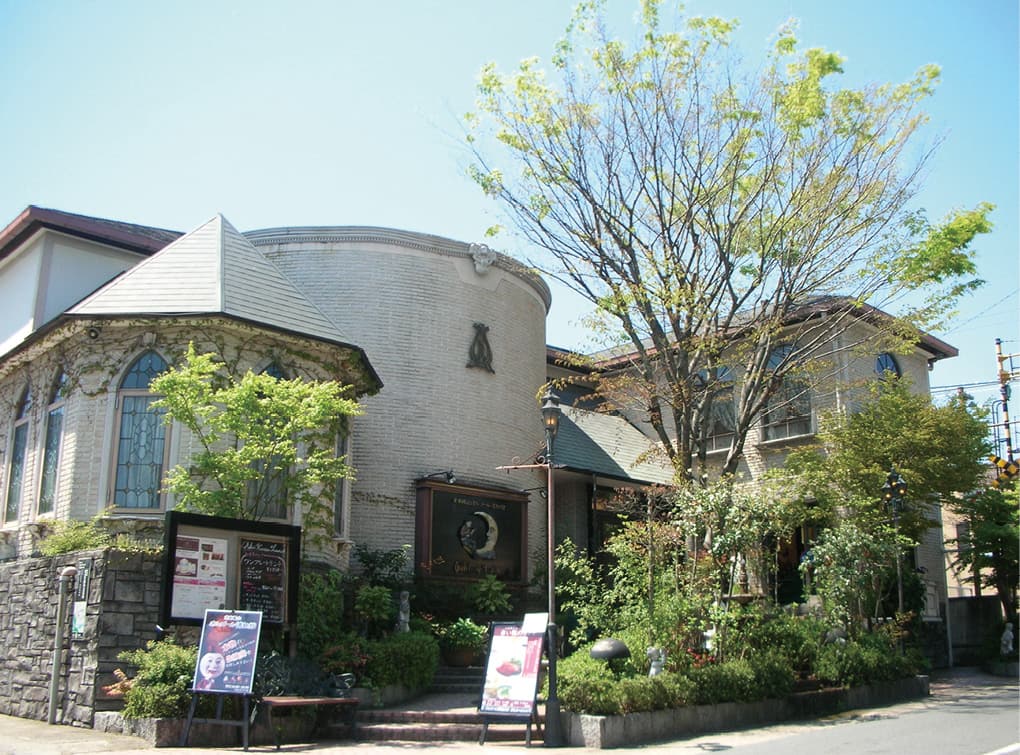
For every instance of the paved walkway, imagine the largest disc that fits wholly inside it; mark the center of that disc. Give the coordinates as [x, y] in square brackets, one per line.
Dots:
[19, 736]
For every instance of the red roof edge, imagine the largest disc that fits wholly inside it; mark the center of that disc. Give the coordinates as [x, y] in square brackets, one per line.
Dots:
[136, 238]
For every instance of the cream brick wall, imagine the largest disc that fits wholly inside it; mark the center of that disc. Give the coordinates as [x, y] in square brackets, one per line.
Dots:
[411, 301]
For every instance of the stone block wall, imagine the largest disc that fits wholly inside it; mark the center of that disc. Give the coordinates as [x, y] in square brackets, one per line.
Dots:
[121, 612]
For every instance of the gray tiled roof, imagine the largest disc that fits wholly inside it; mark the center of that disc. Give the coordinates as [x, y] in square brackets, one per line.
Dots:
[607, 445]
[212, 270]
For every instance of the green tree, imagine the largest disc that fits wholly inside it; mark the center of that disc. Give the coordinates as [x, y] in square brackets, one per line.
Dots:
[706, 209]
[938, 450]
[252, 428]
[991, 548]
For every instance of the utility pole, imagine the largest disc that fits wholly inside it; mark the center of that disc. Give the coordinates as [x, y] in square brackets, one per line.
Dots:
[1005, 375]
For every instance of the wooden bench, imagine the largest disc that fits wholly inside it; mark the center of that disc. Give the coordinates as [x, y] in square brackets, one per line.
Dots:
[348, 705]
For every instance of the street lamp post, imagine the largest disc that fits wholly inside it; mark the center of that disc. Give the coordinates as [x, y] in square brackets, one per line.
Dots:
[893, 491]
[553, 724]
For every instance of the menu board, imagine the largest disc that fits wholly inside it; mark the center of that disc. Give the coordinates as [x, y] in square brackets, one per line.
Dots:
[199, 575]
[262, 584]
[511, 672]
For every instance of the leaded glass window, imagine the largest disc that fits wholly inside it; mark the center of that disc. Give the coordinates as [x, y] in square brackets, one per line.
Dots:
[142, 438]
[266, 497]
[19, 448]
[51, 451]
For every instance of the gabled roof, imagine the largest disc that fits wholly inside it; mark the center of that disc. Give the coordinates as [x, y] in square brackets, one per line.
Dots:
[214, 270]
[136, 238]
[609, 446]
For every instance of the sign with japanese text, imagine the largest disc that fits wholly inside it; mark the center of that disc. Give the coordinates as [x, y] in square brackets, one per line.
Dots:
[511, 672]
[227, 652]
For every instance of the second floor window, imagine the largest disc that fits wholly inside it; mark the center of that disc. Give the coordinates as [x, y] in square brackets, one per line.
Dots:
[788, 413]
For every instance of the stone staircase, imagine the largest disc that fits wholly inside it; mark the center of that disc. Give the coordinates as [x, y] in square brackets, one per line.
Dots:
[448, 712]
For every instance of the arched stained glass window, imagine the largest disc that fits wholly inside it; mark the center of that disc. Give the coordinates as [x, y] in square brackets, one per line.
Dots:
[54, 439]
[16, 467]
[142, 438]
[266, 497]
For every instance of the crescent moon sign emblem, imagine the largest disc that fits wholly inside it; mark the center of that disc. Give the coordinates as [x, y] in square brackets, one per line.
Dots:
[488, 551]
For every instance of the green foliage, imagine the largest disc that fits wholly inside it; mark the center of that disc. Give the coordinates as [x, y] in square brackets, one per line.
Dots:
[794, 639]
[490, 595]
[70, 536]
[373, 604]
[867, 659]
[718, 189]
[259, 438]
[407, 658]
[463, 633]
[159, 688]
[733, 681]
[349, 653]
[320, 611]
[992, 545]
[852, 569]
[387, 568]
[939, 451]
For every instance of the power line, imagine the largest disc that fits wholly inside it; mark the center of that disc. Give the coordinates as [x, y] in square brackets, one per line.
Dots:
[947, 388]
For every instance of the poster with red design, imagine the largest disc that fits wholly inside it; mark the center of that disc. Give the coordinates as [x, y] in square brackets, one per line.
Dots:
[511, 672]
[227, 651]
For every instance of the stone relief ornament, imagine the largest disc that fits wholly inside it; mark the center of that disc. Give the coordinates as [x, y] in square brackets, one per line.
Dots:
[483, 257]
[480, 353]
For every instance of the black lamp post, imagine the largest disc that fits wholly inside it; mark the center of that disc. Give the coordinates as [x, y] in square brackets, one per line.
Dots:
[553, 724]
[893, 491]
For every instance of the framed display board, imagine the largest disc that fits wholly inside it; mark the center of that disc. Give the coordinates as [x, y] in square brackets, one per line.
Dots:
[228, 565]
[227, 652]
[511, 672]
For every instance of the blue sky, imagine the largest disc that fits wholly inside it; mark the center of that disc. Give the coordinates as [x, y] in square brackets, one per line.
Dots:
[344, 112]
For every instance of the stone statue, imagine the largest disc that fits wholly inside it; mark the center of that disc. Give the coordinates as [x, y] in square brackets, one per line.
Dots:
[657, 656]
[1006, 642]
[404, 615]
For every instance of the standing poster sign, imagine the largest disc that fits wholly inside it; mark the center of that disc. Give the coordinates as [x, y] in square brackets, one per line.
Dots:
[227, 651]
[511, 672]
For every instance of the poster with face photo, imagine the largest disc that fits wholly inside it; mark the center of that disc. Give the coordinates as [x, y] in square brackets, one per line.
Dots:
[227, 651]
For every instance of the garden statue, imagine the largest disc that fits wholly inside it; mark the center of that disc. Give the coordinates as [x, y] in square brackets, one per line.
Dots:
[657, 656]
[404, 615]
[1006, 643]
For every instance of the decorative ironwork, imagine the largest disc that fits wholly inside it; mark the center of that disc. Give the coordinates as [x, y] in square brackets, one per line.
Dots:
[480, 353]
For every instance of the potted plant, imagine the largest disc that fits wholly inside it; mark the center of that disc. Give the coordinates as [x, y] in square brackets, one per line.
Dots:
[463, 642]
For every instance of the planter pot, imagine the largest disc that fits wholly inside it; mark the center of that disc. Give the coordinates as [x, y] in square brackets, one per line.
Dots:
[461, 657]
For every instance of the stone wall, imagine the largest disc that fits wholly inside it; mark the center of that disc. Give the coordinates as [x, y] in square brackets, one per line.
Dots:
[121, 611]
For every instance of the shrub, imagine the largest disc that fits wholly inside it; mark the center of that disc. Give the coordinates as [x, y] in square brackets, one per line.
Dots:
[320, 611]
[407, 658]
[463, 633]
[586, 685]
[773, 676]
[871, 658]
[733, 681]
[490, 595]
[796, 639]
[374, 605]
[159, 688]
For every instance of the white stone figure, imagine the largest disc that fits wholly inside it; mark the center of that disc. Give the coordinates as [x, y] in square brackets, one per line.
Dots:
[483, 257]
[657, 656]
[404, 616]
[1006, 642]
